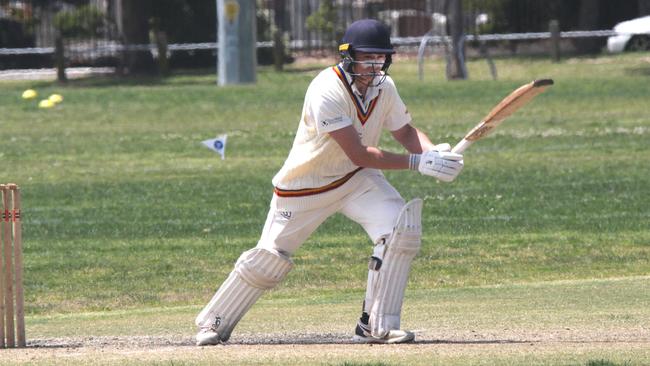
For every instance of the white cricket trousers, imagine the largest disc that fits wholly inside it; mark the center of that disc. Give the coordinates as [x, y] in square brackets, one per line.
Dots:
[367, 199]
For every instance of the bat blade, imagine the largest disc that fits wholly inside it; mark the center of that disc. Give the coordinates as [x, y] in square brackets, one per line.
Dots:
[510, 104]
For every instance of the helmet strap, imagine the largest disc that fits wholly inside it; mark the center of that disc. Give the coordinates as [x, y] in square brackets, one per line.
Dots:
[387, 62]
[348, 59]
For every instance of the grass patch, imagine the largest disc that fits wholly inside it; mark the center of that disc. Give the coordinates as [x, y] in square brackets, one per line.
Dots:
[123, 208]
[537, 255]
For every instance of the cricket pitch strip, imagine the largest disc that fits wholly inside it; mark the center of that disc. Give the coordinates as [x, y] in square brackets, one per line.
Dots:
[515, 347]
[565, 322]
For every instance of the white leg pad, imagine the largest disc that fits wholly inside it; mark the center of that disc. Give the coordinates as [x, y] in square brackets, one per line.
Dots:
[256, 271]
[387, 283]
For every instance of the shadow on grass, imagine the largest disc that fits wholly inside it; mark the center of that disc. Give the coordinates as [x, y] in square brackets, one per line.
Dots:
[604, 363]
[114, 80]
[638, 71]
[188, 77]
[347, 340]
[177, 78]
[484, 341]
[304, 69]
[111, 341]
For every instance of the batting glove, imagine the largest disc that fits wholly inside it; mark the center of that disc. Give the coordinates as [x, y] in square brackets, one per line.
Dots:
[442, 147]
[442, 165]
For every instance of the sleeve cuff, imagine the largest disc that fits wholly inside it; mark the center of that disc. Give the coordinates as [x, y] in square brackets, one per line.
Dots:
[414, 161]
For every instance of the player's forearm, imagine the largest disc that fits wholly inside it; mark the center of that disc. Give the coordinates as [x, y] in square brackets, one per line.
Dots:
[424, 142]
[372, 157]
[413, 140]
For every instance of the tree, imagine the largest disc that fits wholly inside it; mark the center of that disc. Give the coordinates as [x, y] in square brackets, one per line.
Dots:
[644, 7]
[456, 69]
[85, 21]
[323, 20]
[187, 21]
[135, 29]
[279, 12]
[589, 12]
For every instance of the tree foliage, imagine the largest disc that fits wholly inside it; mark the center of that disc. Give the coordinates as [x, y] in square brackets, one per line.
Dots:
[515, 16]
[187, 21]
[82, 21]
[324, 20]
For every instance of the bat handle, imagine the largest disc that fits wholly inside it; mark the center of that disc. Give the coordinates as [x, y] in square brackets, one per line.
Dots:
[461, 146]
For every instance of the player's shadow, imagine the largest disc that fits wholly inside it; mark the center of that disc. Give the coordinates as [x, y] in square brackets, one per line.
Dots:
[482, 341]
[251, 340]
[346, 339]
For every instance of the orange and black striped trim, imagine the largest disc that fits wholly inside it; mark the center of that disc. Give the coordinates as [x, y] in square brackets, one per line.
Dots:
[361, 113]
[311, 191]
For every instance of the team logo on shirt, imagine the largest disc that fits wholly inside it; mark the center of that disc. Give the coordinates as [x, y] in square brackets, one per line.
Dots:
[331, 121]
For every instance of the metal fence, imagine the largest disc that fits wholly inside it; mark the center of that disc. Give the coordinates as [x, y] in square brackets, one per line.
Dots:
[93, 33]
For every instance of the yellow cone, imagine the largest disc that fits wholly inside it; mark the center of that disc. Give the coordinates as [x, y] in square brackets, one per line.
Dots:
[45, 103]
[55, 98]
[29, 94]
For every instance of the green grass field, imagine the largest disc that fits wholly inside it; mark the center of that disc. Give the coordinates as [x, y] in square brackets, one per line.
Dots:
[543, 243]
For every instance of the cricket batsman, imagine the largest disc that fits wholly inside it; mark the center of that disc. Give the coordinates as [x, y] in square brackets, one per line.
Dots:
[335, 165]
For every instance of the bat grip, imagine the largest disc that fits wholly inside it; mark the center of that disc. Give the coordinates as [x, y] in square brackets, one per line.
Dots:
[461, 146]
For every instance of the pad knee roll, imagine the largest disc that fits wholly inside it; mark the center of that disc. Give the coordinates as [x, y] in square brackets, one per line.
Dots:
[256, 271]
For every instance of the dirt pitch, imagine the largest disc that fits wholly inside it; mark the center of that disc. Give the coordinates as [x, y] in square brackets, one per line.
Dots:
[567, 344]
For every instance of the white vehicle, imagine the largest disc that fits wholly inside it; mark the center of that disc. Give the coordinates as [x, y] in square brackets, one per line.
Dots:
[631, 35]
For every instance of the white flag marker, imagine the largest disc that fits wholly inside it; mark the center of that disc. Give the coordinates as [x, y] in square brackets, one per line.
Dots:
[217, 144]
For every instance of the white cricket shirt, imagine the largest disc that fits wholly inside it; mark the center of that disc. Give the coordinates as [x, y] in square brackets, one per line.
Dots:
[317, 168]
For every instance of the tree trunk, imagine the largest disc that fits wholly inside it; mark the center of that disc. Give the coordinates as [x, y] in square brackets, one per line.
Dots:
[456, 69]
[278, 33]
[59, 59]
[589, 12]
[644, 7]
[135, 25]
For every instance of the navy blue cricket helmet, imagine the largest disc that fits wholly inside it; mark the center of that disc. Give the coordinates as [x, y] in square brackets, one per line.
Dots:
[366, 35]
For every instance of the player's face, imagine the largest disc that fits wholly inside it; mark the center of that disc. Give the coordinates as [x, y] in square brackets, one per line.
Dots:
[368, 65]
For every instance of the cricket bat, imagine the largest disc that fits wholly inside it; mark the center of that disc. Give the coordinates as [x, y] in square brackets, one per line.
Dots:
[517, 99]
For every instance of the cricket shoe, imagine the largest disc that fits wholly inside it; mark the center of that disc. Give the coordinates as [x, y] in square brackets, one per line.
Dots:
[207, 337]
[362, 335]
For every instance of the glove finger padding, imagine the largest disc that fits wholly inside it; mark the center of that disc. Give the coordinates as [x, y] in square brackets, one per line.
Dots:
[450, 170]
[444, 166]
[442, 147]
[451, 163]
[450, 156]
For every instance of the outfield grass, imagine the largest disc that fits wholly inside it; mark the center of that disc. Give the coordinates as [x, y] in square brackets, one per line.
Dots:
[125, 210]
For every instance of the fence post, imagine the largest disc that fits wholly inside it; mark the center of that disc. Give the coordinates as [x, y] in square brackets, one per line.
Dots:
[160, 38]
[163, 60]
[456, 69]
[279, 14]
[59, 59]
[278, 49]
[237, 58]
[554, 29]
